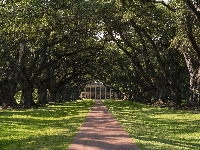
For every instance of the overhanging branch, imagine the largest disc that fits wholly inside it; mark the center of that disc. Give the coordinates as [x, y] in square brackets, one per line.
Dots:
[161, 2]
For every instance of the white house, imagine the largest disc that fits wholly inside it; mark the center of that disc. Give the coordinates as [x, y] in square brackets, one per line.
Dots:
[96, 90]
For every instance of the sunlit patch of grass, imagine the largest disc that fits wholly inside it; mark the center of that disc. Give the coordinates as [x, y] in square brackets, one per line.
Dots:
[49, 128]
[157, 128]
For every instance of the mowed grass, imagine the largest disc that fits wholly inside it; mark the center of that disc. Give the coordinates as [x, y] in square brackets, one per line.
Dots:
[155, 128]
[50, 128]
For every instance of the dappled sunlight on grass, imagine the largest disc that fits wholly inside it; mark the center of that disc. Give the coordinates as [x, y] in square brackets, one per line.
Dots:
[52, 127]
[157, 128]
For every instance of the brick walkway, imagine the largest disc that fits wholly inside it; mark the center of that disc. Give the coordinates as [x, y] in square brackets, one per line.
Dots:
[101, 131]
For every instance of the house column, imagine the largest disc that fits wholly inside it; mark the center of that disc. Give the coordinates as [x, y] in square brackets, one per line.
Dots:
[95, 93]
[100, 93]
[105, 92]
[110, 93]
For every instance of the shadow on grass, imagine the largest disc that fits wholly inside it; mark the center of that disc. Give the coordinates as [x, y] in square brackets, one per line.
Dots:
[52, 127]
[157, 128]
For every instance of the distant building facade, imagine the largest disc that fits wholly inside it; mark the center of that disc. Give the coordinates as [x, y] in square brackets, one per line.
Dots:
[96, 90]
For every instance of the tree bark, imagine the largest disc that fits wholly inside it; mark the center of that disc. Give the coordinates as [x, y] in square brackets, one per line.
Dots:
[27, 97]
[7, 93]
[24, 76]
[193, 66]
[194, 6]
[52, 95]
[42, 93]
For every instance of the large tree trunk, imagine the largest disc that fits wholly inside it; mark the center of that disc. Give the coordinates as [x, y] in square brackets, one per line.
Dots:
[193, 66]
[24, 75]
[42, 93]
[27, 97]
[12, 89]
[52, 95]
[195, 86]
[7, 93]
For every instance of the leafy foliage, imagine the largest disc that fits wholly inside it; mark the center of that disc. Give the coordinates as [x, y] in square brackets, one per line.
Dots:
[147, 50]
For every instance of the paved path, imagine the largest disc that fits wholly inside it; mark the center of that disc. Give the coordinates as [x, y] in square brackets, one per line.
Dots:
[101, 131]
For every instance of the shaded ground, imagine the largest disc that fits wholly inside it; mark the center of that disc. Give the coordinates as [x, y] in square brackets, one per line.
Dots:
[101, 131]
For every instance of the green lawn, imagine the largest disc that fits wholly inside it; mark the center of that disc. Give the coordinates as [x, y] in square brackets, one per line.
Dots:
[155, 128]
[49, 128]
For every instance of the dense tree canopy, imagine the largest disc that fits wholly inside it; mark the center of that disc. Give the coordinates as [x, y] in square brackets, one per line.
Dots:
[148, 50]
